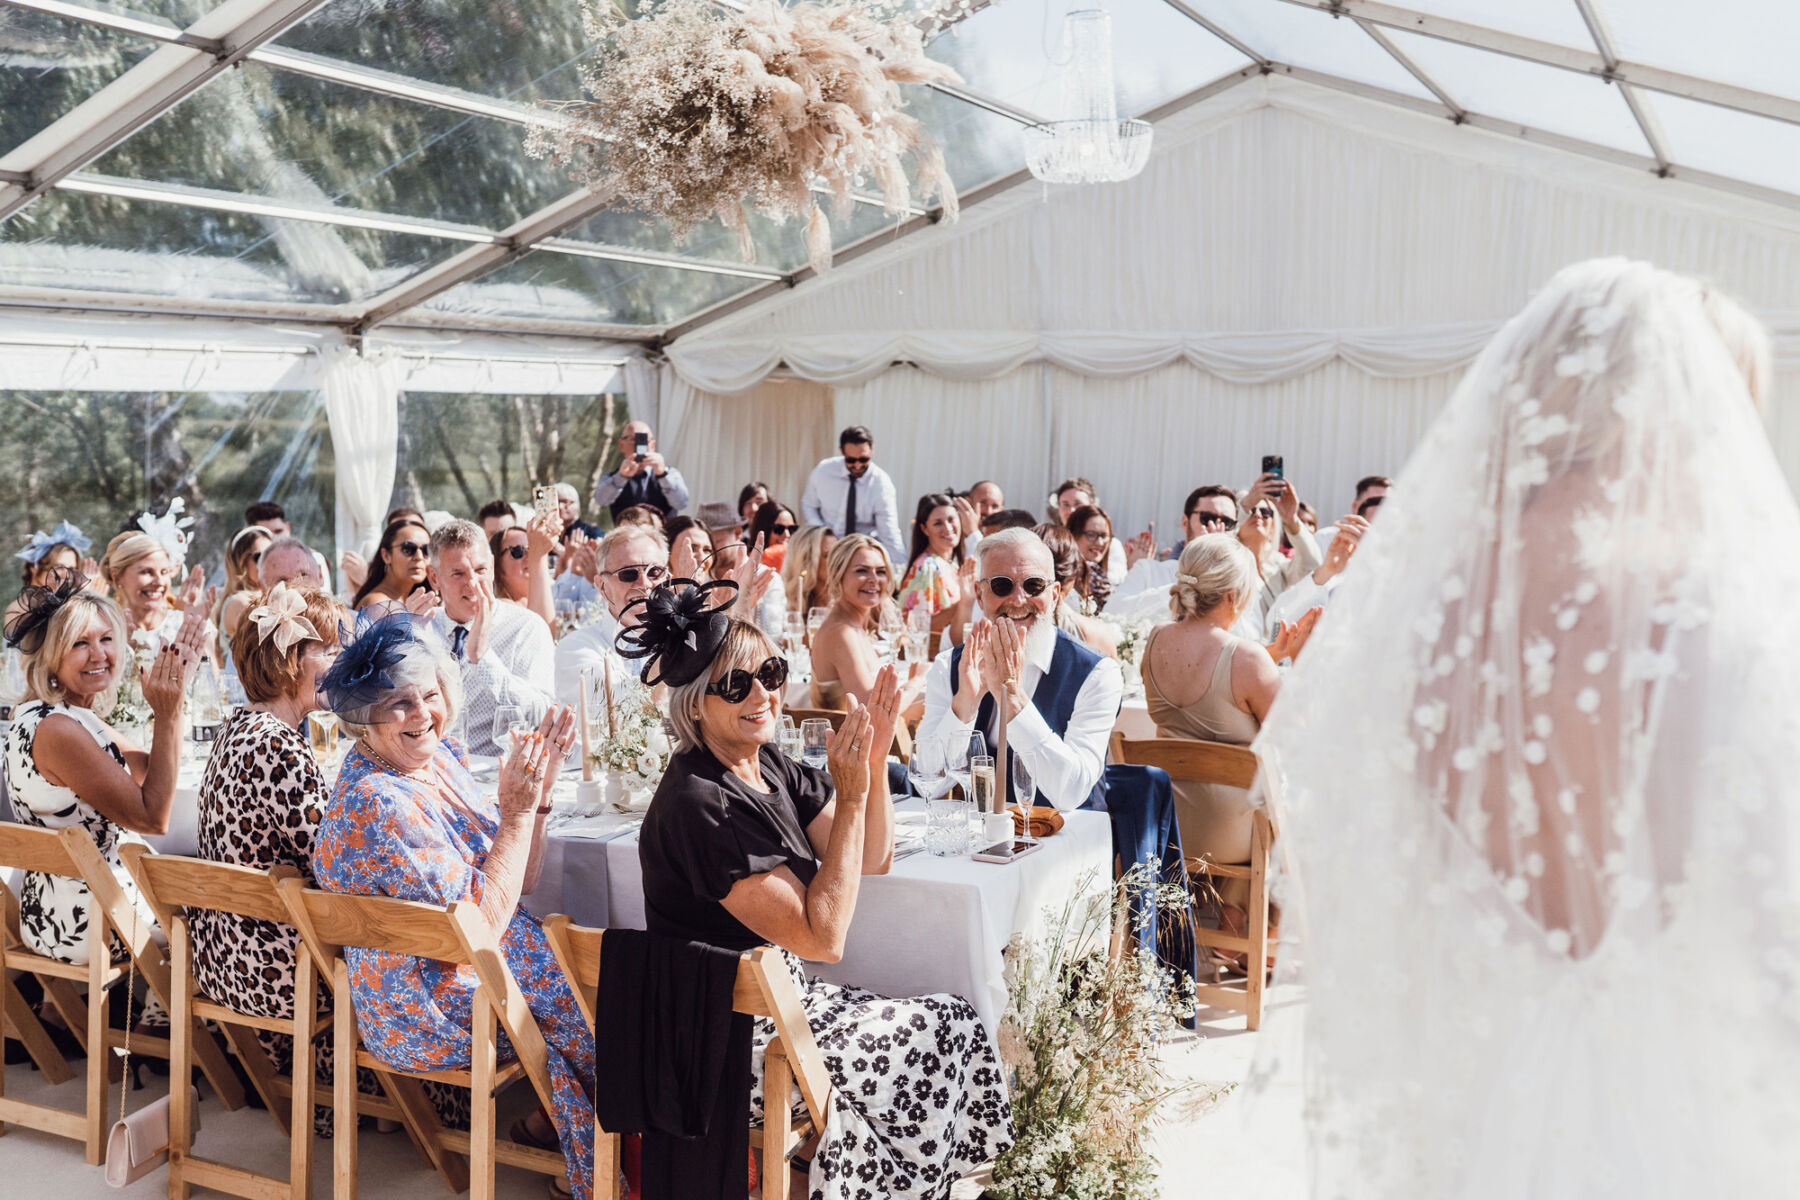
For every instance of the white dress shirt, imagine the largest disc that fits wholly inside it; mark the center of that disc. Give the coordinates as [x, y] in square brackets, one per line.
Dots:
[590, 648]
[1064, 769]
[1145, 574]
[829, 486]
[575, 590]
[518, 669]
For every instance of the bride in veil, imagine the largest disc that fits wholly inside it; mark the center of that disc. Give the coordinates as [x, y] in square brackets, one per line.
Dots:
[1540, 780]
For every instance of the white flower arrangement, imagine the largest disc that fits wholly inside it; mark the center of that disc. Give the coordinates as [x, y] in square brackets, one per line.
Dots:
[697, 109]
[130, 712]
[1078, 1042]
[637, 749]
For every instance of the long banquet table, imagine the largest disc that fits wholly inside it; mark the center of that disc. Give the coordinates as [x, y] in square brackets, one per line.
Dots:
[930, 925]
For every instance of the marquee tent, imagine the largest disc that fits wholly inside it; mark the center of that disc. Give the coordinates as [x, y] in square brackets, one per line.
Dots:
[331, 197]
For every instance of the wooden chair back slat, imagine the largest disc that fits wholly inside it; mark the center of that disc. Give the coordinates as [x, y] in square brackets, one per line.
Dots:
[1189, 760]
[334, 919]
[45, 850]
[172, 881]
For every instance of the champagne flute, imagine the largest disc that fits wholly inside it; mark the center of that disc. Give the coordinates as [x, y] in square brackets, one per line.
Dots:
[815, 617]
[1024, 793]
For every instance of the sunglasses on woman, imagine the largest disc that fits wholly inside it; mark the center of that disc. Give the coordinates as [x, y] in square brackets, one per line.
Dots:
[519, 552]
[649, 574]
[413, 549]
[784, 530]
[734, 686]
[1002, 585]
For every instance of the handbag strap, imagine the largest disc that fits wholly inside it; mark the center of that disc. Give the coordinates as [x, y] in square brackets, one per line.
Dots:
[130, 989]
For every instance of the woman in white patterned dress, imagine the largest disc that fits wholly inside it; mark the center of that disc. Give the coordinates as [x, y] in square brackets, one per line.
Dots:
[66, 767]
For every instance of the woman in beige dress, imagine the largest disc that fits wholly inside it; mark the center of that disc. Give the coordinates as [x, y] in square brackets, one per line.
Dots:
[1203, 682]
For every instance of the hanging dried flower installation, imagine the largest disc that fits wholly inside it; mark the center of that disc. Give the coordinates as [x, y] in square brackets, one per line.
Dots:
[695, 110]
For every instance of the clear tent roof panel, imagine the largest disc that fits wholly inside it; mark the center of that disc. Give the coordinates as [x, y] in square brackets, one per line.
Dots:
[49, 65]
[411, 113]
[1547, 98]
[1012, 51]
[107, 244]
[1751, 43]
[267, 132]
[1315, 41]
[1724, 142]
[563, 287]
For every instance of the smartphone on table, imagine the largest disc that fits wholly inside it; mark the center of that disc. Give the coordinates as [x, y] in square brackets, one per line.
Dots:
[1005, 852]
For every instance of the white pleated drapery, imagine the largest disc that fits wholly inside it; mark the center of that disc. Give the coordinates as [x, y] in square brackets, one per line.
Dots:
[733, 365]
[1297, 272]
[362, 404]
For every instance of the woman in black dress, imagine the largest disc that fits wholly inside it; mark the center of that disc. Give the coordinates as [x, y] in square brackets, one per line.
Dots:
[743, 846]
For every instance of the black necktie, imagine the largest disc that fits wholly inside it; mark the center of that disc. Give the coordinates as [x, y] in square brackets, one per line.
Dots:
[457, 639]
[850, 509]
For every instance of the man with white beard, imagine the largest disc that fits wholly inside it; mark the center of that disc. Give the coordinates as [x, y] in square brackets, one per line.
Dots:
[1061, 698]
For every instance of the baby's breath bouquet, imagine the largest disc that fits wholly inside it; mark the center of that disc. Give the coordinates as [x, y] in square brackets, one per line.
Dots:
[130, 712]
[1078, 1041]
[1130, 637]
[636, 749]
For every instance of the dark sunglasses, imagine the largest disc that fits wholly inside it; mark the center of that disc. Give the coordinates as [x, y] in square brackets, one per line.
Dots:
[650, 574]
[1212, 518]
[784, 530]
[1263, 511]
[734, 686]
[856, 462]
[413, 549]
[519, 552]
[1002, 585]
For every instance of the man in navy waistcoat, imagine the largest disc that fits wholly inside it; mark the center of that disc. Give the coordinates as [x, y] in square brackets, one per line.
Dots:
[1061, 698]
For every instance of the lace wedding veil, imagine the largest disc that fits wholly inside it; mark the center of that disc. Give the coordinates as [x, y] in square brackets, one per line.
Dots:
[1539, 779]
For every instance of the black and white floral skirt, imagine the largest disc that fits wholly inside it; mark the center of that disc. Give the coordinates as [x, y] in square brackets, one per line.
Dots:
[918, 1098]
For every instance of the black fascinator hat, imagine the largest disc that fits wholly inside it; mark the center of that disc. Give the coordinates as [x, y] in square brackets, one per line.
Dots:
[678, 628]
[25, 632]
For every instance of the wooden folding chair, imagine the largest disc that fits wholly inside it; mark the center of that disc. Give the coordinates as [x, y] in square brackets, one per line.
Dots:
[764, 989]
[901, 749]
[328, 923]
[71, 853]
[174, 887]
[1233, 766]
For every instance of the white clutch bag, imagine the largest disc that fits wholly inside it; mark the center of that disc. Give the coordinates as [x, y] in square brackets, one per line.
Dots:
[139, 1141]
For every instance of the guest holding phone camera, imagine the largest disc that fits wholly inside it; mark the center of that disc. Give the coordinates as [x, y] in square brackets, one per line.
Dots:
[1272, 499]
[642, 478]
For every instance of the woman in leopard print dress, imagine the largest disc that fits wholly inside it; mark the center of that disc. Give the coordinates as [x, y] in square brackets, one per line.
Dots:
[261, 801]
[66, 767]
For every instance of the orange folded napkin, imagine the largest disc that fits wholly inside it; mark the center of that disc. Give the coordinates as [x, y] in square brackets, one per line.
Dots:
[1044, 820]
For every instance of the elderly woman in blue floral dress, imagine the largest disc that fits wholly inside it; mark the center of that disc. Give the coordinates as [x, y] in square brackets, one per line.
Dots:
[409, 821]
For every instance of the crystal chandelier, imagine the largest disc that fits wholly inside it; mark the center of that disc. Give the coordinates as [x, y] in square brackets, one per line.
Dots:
[1091, 145]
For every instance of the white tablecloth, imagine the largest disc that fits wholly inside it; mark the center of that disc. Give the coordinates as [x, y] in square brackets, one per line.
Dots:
[931, 925]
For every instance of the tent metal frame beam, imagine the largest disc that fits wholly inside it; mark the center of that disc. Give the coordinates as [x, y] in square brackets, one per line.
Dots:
[1648, 125]
[886, 237]
[159, 82]
[184, 196]
[1568, 58]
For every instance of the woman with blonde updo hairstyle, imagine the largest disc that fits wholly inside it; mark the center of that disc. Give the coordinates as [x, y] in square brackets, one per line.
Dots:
[1203, 682]
[138, 570]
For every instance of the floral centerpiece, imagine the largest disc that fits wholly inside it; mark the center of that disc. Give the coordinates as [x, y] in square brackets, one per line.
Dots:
[1130, 637]
[632, 744]
[1078, 1041]
[130, 713]
[697, 107]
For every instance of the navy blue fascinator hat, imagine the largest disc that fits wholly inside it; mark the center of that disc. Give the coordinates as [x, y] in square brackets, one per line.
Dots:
[677, 629]
[365, 667]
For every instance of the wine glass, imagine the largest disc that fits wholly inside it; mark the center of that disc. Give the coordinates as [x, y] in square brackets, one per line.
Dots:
[927, 768]
[1024, 792]
[957, 755]
[815, 617]
[790, 738]
[813, 732]
[511, 718]
[321, 735]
